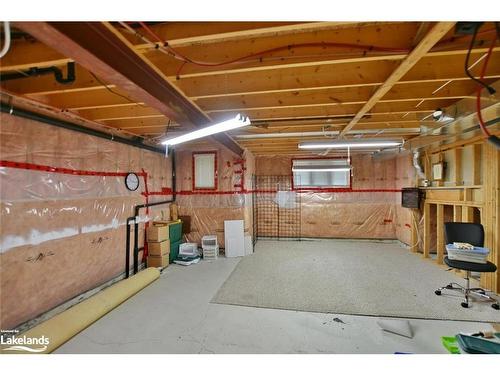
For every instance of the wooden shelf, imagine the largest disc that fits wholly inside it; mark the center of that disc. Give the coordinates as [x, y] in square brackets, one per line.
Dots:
[450, 187]
[453, 203]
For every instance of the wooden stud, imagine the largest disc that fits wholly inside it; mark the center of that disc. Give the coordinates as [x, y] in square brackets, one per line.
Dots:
[414, 232]
[467, 214]
[440, 233]
[427, 229]
[457, 172]
[491, 216]
[476, 164]
[457, 213]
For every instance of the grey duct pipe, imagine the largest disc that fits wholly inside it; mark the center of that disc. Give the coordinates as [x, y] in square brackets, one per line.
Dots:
[417, 166]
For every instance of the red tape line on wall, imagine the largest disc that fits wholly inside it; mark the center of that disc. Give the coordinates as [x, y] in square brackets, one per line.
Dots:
[46, 168]
[168, 191]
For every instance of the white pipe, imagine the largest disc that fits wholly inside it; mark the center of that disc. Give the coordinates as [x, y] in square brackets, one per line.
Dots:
[6, 45]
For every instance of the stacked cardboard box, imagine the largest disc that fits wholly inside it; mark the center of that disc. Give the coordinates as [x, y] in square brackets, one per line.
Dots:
[158, 245]
[174, 235]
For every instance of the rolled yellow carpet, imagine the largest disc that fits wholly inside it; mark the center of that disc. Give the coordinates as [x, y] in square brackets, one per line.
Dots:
[59, 329]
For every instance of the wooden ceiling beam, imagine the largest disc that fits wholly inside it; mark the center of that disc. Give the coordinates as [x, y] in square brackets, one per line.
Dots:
[336, 110]
[33, 53]
[136, 123]
[315, 49]
[101, 49]
[97, 98]
[375, 120]
[328, 104]
[431, 70]
[194, 34]
[331, 76]
[310, 62]
[25, 54]
[345, 95]
[158, 129]
[123, 111]
[430, 39]
[120, 112]
[303, 46]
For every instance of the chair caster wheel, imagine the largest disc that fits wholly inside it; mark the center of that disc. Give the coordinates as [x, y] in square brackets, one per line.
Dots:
[496, 306]
[465, 304]
[438, 292]
[449, 286]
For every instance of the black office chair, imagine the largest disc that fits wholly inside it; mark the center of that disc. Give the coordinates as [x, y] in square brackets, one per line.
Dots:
[474, 234]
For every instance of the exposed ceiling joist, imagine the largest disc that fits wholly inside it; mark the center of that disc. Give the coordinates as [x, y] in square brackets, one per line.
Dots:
[178, 35]
[430, 39]
[250, 31]
[100, 49]
[347, 59]
[211, 85]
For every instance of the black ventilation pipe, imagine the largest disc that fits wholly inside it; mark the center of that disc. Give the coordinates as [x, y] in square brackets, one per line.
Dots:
[136, 142]
[134, 220]
[34, 72]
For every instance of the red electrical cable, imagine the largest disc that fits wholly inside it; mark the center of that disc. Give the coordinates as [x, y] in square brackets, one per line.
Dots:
[478, 96]
[281, 48]
[270, 50]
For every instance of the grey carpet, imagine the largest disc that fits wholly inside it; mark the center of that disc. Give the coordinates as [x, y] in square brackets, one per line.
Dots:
[346, 277]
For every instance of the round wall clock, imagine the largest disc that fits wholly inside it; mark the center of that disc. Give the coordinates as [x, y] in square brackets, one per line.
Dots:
[132, 182]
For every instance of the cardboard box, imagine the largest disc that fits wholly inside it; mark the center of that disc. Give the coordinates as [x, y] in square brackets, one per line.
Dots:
[161, 222]
[164, 222]
[159, 248]
[154, 261]
[157, 233]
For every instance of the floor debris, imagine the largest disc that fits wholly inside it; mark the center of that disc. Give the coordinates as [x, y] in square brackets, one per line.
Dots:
[399, 327]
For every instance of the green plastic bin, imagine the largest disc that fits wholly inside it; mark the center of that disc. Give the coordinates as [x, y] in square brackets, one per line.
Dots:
[174, 250]
[175, 231]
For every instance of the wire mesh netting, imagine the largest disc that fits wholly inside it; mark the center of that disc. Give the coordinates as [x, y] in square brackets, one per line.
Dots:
[276, 207]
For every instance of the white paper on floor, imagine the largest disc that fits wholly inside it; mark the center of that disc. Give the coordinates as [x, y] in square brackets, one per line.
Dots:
[399, 327]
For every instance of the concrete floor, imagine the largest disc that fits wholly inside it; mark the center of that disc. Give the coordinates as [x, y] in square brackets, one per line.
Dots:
[174, 315]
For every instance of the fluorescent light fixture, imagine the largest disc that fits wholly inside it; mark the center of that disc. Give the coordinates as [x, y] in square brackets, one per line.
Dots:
[350, 143]
[321, 168]
[234, 123]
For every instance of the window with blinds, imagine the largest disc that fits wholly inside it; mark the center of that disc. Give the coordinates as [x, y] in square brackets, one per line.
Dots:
[321, 173]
